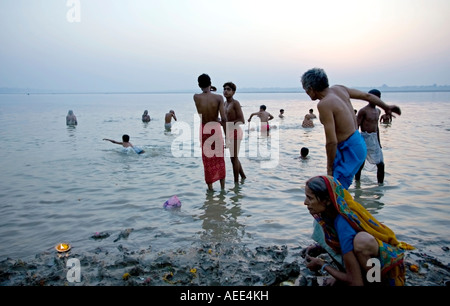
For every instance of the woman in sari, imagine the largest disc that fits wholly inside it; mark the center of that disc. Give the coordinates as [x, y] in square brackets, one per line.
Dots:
[351, 231]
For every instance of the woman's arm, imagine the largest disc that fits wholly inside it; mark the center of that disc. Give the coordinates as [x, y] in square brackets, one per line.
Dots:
[352, 276]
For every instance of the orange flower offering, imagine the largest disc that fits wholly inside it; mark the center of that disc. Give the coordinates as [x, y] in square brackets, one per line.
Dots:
[62, 247]
[414, 268]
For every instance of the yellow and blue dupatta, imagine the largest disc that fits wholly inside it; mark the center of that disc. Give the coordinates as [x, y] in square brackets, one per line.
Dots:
[391, 250]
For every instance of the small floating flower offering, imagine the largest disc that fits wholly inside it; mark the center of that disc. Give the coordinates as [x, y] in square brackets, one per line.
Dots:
[62, 247]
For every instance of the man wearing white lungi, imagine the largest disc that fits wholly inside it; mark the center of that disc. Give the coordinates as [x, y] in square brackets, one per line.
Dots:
[368, 122]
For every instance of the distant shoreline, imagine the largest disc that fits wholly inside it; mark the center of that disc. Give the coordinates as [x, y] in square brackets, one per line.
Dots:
[384, 88]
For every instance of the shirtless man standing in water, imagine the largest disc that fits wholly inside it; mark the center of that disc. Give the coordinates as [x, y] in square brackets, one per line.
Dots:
[264, 117]
[168, 120]
[235, 117]
[345, 147]
[209, 107]
[368, 121]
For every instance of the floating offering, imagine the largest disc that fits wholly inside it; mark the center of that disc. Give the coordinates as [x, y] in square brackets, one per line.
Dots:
[414, 268]
[62, 247]
[172, 202]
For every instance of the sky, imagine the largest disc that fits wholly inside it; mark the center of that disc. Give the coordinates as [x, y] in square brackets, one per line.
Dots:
[149, 45]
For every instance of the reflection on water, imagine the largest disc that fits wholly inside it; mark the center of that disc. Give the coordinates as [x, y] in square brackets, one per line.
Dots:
[220, 219]
[369, 197]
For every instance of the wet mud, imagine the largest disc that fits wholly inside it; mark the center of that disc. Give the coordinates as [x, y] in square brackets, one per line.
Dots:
[204, 264]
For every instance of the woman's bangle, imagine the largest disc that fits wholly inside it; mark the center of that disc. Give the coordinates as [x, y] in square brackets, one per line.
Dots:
[322, 270]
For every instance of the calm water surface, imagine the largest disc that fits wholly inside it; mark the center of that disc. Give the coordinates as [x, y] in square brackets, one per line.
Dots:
[63, 183]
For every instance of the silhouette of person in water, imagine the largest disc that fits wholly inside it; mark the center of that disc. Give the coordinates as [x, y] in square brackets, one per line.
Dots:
[71, 119]
[145, 116]
[304, 151]
[386, 119]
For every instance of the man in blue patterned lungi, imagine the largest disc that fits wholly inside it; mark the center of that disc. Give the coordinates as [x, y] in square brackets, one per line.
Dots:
[345, 147]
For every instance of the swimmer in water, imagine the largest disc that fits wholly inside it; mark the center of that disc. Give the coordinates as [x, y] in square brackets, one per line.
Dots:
[126, 143]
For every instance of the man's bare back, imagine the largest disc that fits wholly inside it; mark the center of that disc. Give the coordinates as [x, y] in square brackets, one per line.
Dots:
[336, 111]
[168, 117]
[263, 115]
[337, 115]
[209, 106]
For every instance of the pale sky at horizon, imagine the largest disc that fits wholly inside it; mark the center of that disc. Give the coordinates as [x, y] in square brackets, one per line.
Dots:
[136, 45]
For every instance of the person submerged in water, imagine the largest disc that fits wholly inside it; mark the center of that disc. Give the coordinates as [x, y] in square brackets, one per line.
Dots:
[386, 119]
[145, 116]
[71, 119]
[307, 121]
[126, 143]
[304, 151]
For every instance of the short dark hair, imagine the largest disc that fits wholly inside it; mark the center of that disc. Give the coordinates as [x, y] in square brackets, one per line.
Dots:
[231, 85]
[304, 151]
[204, 80]
[263, 107]
[375, 92]
[125, 138]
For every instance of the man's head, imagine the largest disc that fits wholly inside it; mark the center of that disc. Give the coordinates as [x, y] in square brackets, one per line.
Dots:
[204, 81]
[375, 92]
[315, 79]
[230, 85]
[229, 88]
[304, 152]
[125, 138]
[262, 107]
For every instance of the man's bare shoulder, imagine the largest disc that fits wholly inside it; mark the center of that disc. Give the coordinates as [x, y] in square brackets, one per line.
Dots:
[217, 97]
[327, 100]
[364, 109]
[197, 96]
[338, 93]
[236, 104]
[339, 87]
